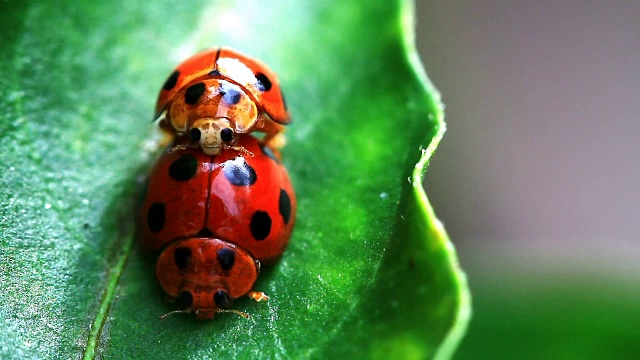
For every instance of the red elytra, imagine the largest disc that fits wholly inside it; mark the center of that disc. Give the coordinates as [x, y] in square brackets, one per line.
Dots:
[215, 219]
[223, 84]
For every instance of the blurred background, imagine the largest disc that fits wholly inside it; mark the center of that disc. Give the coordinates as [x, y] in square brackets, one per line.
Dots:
[537, 179]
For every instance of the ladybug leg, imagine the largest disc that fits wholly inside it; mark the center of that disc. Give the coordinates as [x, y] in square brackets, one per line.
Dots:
[275, 141]
[167, 132]
[274, 135]
[258, 296]
[166, 139]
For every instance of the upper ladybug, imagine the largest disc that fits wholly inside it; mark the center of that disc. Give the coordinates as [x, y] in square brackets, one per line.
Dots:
[217, 94]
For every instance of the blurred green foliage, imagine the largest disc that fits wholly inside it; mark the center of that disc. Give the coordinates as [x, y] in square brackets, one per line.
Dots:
[528, 306]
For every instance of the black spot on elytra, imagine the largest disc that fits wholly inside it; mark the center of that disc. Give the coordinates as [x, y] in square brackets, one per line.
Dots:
[155, 217]
[267, 151]
[226, 258]
[184, 168]
[214, 72]
[264, 84]
[182, 257]
[260, 225]
[284, 205]
[171, 81]
[184, 300]
[221, 298]
[239, 173]
[230, 94]
[193, 93]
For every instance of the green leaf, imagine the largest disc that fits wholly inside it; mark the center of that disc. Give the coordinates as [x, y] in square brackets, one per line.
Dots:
[369, 271]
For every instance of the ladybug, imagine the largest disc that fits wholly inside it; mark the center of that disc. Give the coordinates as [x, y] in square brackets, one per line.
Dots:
[215, 220]
[217, 95]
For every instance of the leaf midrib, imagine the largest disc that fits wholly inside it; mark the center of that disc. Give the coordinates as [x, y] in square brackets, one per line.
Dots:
[107, 299]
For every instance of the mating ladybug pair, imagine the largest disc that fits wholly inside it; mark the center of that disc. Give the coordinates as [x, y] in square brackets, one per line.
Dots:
[219, 203]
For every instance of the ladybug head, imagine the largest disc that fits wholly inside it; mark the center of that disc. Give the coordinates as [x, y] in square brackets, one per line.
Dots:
[204, 275]
[204, 302]
[212, 134]
[206, 99]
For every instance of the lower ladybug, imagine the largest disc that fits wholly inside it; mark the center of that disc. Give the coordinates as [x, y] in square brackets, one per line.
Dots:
[215, 219]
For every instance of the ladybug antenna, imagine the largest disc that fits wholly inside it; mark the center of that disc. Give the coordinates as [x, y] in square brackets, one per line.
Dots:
[243, 314]
[185, 311]
[239, 149]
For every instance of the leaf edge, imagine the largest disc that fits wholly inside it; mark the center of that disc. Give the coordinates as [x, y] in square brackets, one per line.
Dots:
[464, 309]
